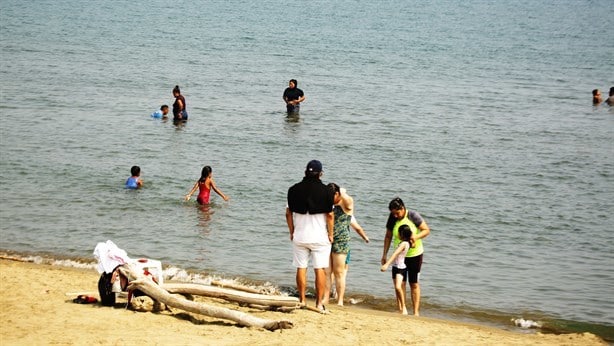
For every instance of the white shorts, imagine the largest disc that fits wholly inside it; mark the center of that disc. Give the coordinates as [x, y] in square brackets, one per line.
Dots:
[319, 253]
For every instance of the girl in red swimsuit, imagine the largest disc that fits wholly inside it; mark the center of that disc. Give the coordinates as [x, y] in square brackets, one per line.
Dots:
[205, 184]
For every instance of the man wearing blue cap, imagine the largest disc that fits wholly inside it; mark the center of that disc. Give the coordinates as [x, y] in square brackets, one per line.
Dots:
[310, 218]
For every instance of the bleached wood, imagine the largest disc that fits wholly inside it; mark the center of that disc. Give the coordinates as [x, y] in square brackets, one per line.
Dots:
[147, 286]
[232, 295]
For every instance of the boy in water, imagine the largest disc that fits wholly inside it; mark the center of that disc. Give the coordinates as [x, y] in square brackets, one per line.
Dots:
[134, 182]
[161, 113]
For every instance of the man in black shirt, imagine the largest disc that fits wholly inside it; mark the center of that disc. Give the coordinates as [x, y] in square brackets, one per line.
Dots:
[293, 96]
[310, 218]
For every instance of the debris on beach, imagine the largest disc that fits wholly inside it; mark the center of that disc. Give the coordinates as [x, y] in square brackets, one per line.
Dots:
[526, 324]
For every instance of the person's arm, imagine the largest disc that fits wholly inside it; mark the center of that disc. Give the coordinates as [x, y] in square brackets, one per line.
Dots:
[299, 100]
[330, 225]
[187, 197]
[402, 247]
[139, 183]
[361, 232]
[347, 202]
[387, 240]
[218, 191]
[417, 219]
[290, 222]
[424, 232]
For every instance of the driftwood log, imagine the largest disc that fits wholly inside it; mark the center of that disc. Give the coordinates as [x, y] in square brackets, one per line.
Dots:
[235, 287]
[147, 286]
[252, 299]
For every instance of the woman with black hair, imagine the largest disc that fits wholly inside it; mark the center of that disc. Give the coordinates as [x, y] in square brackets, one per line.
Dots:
[179, 107]
[399, 215]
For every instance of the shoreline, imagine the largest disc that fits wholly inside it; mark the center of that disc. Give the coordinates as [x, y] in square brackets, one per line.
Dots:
[44, 314]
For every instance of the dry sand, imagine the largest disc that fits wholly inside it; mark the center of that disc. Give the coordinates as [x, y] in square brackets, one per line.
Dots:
[36, 310]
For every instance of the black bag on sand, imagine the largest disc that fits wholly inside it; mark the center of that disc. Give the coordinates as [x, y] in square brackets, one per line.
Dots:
[105, 289]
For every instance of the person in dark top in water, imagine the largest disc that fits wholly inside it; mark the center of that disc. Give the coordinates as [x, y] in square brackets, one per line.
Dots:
[179, 107]
[293, 97]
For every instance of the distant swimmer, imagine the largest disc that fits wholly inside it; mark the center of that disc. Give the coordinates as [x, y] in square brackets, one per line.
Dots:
[180, 114]
[160, 113]
[293, 97]
[596, 97]
[610, 99]
[134, 182]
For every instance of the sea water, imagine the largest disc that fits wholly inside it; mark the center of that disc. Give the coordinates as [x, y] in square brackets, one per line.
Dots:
[477, 114]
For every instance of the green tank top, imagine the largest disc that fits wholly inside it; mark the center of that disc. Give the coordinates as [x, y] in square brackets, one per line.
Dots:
[413, 251]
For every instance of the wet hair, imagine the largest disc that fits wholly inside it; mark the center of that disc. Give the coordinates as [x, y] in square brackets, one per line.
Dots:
[163, 107]
[395, 204]
[611, 91]
[204, 174]
[405, 232]
[294, 81]
[595, 91]
[176, 89]
[135, 171]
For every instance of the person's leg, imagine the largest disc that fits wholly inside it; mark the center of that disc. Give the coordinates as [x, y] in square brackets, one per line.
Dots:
[414, 265]
[329, 283]
[403, 290]
[398, 287]
[415, 297]
[338, 263]
[320, 256]
[320, 287]
[301, 284]
[300, 261]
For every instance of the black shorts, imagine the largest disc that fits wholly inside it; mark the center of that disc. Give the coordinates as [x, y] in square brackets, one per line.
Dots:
[398, 271]
[413, 264]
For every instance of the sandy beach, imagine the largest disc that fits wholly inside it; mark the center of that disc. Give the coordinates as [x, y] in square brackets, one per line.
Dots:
[36, 310]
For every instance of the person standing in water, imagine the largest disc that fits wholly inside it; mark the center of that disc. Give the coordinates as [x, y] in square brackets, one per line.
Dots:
[610, 100]
[205, 184]
[399, 215]
[293, 96]
[399, 269]
[179, 107]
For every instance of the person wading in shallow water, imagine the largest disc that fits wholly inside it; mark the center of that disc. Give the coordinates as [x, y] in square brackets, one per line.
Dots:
[399, 215]
[293, 97]
[180, 114]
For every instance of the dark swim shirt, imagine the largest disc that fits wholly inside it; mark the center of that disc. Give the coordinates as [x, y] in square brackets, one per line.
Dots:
[176, 108]
[291, 94]
[310, 196]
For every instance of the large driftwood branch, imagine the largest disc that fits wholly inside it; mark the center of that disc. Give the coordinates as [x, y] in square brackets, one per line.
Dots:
[147, 286]
[234, 296]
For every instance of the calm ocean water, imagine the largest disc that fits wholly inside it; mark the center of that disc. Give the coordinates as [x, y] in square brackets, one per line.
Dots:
[477, 113]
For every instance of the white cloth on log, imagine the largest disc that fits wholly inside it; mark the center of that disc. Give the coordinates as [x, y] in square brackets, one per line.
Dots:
[109, 256]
